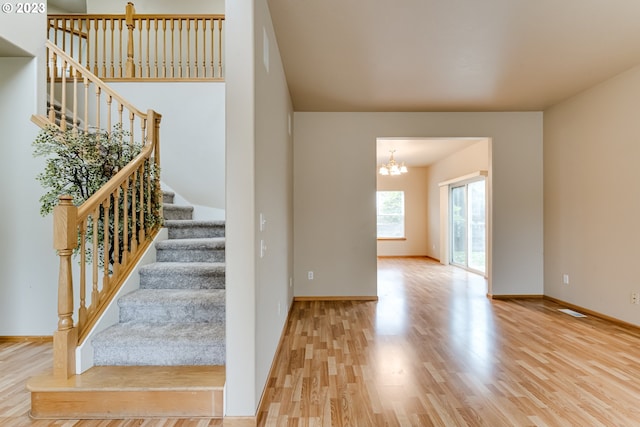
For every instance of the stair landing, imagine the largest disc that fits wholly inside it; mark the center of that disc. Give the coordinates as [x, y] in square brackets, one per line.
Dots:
[105, 392]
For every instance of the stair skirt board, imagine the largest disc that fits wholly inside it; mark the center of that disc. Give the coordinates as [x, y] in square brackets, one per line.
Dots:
[130, 392]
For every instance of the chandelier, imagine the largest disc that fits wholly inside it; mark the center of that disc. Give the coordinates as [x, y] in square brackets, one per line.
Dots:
[392, 168]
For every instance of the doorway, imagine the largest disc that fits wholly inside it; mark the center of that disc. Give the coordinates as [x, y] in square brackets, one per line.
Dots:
[432, 164]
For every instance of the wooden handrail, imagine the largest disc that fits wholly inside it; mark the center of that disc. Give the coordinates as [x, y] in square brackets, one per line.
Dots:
[143, 46]
[112, 228]
[92, 77]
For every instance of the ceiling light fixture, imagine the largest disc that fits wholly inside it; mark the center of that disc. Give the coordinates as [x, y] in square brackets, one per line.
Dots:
[392, 168]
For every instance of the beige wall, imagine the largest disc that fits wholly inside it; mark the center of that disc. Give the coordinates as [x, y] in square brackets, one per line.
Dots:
[334, 213]
[463, 162]
[258, 181]
[414, 185]
[157, 6]
[274, 194]
[592, 205]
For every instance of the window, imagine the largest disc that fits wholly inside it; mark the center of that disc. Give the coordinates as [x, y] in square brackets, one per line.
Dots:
[390, 209]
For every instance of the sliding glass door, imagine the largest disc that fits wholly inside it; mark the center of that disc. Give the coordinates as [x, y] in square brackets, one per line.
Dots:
[468, 225]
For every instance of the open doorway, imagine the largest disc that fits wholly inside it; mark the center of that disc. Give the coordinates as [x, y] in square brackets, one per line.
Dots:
[419, 226]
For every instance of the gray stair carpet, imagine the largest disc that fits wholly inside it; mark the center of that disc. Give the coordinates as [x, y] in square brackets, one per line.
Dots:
[177, 317]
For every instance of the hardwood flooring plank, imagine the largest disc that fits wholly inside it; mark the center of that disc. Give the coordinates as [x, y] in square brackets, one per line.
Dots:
[432, 351]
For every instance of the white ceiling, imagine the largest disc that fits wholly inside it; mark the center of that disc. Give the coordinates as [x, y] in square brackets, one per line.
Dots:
[451, 55]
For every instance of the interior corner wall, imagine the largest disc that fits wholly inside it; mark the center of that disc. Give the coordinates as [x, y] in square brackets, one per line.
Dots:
[471, 159]
[273, 194]
[25, 30]
[28, 295]
[192, 136]
[592, 205]
[334, 213]
[259, 181]
[28, 31]
[414, 185]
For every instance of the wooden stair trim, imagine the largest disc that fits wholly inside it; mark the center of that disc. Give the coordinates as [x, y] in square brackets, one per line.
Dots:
[106, 392]
[129, 404]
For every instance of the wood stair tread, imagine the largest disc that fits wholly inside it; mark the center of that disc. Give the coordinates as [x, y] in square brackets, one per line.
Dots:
[121, 378]
[115, 392]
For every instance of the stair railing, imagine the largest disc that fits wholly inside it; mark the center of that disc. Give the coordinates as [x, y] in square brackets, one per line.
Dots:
[143, 47]
[109, 231]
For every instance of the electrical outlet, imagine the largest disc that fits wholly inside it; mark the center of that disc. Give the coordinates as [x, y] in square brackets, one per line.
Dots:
[635, 297]
[310, 275]
[565, 279]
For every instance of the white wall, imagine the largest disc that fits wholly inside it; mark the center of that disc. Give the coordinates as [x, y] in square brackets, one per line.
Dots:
[28, 263]
[414, 185]
[192, 154]
[241, 223]
[28, 32]
[25, 30]
[157, 6]
[334, 214]
[25, 292]
[463, 162]
[592, 204]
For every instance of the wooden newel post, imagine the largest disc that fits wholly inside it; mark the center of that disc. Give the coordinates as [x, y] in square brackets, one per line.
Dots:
[131, 24]
[65, 239]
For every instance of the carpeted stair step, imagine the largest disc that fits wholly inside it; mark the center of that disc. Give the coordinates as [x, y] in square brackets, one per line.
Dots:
[191, 250]
[57, 109]
[177, 317]
[165, 344]
[173, 305]
[177, 212]
[168, 196]
[182, 275]
[194, 229]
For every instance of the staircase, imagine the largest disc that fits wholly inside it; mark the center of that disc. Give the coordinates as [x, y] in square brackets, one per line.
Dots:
[166, 356]
[68, 115]
[177, 317]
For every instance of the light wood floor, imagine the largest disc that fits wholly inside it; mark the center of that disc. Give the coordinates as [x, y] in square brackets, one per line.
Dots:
[435, 351]
[432, 351]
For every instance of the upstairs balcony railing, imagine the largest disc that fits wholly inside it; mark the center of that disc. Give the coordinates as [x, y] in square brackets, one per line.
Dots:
[143, 47]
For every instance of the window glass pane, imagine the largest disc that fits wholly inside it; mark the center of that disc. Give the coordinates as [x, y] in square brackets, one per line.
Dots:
[458, 226]
[477, 232]
[390, 206]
